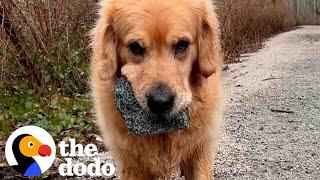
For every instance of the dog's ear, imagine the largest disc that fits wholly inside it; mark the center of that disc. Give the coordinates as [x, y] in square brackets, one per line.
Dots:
[104, 43]
[209, 57]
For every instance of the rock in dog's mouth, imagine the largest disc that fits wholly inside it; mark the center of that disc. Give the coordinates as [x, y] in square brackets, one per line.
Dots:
[138, 121]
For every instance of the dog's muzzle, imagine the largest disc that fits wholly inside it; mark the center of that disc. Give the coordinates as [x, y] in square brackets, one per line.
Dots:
[141, 123]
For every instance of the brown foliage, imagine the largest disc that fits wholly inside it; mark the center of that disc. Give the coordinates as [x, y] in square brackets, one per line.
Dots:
[40, 39]
[246, 23]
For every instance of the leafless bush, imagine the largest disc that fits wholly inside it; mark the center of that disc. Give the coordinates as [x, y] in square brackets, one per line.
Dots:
[46, 42]
[246, 23]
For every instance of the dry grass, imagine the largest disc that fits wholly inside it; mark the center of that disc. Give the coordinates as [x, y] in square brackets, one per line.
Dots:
[247, 23]
[44, 44]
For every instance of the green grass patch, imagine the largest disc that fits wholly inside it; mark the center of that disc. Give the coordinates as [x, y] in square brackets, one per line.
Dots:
[60, 116]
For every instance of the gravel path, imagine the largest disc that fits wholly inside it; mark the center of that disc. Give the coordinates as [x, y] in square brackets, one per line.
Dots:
[272, 128]
[273, 116]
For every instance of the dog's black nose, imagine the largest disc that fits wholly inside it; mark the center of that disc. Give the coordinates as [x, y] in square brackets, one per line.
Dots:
[160, 100]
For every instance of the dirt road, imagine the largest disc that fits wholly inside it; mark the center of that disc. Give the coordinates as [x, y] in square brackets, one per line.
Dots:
[273, 113]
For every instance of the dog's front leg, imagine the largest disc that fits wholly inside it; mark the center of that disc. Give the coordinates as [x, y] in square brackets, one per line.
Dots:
[129, 173]
[199, 166]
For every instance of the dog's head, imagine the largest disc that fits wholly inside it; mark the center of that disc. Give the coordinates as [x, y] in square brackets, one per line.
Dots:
[160, 46]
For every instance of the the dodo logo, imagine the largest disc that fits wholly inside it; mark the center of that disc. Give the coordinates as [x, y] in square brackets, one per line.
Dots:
[30, 150]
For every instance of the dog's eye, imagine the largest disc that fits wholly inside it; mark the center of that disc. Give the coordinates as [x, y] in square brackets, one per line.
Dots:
[181, 46]
[137, 49]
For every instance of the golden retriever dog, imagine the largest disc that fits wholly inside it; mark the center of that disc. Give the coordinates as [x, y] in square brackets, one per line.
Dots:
[169, 45]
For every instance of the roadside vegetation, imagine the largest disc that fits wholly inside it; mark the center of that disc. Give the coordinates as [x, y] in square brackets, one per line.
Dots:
[44, 56]
[245, 24]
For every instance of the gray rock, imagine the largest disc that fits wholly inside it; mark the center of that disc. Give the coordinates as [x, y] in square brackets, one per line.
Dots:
[138, 121]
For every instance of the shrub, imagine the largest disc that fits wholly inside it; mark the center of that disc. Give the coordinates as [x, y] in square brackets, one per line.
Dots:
[246, 23]
[46, 43]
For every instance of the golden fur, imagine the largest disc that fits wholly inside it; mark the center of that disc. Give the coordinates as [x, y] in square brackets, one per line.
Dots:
[194, 76]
